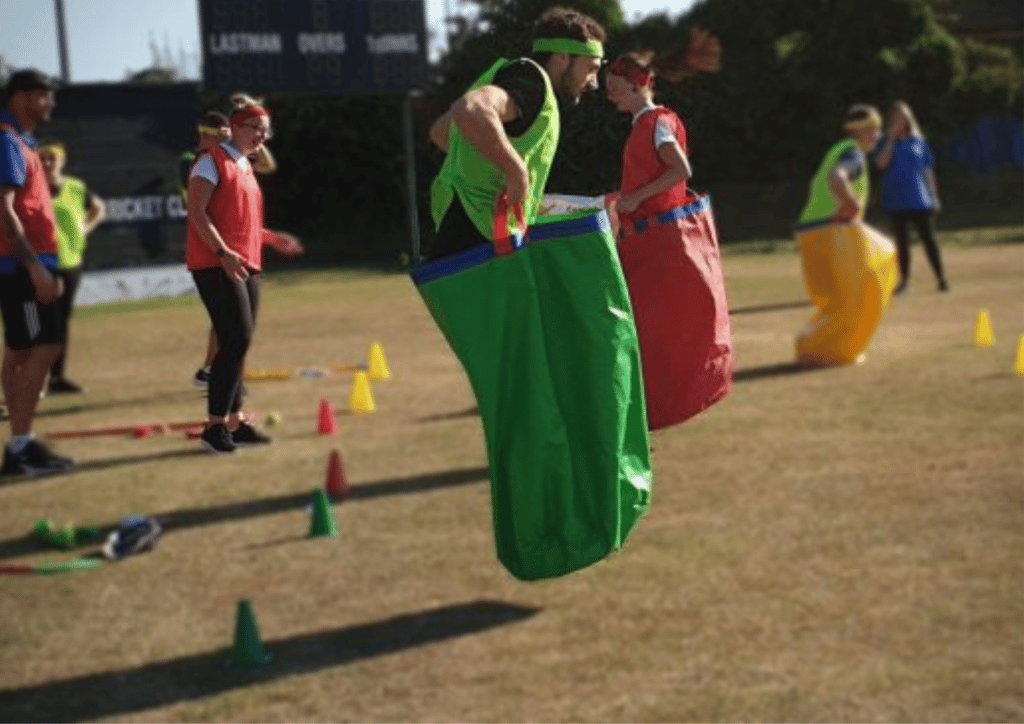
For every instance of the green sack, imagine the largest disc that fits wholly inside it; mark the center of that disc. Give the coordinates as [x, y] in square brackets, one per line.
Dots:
[547, 338]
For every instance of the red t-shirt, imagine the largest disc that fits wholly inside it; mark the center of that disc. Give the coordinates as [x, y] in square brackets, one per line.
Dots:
[641, 164]
[236, 210]
[32, 204]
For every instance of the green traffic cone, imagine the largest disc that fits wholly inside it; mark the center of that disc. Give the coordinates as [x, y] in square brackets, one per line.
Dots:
[322, 523]
[248, 651]
[65, 538]
[42, 528]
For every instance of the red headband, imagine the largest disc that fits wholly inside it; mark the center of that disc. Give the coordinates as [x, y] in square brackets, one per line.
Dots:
[242, 115]
[629, 70]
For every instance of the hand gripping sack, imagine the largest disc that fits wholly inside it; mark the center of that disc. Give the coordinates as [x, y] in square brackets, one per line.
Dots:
[849, 271]
[546, 335]
[674, 271]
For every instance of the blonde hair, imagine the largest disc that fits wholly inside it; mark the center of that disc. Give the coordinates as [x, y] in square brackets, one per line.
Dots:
[861, 116]
[243, 100]
[903, 107]
[52, 144]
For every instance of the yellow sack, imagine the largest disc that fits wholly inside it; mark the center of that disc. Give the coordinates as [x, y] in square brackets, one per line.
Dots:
[849, 271]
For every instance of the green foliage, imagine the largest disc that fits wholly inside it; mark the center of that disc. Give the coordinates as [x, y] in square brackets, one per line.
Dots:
[341, 178]
[790, 70]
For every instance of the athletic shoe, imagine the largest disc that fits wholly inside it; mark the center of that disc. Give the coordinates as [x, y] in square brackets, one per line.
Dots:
[62, 385]
[246, 434]
[136, 534]
[900, 288]
[943, 285]
[217, 439]
[202, 377]
[34, 459]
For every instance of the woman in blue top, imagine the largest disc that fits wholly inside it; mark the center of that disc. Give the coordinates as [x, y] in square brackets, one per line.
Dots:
[909, 193]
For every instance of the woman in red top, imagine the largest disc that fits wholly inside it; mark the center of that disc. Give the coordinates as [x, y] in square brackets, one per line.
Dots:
[224, 253]
[668, 244]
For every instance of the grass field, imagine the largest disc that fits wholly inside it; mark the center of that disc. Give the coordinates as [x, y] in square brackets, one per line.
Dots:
[831, 545]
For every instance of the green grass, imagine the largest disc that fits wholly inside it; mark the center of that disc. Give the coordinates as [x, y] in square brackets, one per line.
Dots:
[975, 236]
[835, 545]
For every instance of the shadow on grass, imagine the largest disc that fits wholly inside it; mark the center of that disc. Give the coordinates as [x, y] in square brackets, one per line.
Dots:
[84, 405]
[195, 517]
[105, 464]
[112, 693]
[778, 307]
[781, 369]
[468, 412]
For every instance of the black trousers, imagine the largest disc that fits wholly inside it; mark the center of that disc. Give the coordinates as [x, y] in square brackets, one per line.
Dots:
[924, 223]
[65, 305]
[232, 308]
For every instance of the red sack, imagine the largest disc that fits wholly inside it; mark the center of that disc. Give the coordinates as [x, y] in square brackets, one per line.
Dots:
[674, 272]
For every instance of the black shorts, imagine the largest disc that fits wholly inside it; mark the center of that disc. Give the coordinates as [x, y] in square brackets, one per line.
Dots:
[27, 323]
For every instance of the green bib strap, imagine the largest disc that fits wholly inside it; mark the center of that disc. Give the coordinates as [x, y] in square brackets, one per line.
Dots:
[822, 204]
[478, 182]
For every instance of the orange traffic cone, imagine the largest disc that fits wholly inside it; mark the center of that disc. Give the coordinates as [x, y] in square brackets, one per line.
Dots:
[326, 424]
[336, 484]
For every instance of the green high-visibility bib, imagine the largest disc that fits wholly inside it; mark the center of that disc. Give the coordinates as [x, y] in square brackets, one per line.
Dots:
[547, 338]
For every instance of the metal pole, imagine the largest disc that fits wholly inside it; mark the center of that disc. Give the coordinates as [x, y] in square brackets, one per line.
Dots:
[447, 26]
[62, 42]
[410, 177]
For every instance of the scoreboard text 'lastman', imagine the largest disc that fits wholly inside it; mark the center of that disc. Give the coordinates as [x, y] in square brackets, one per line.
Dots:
[316, 46]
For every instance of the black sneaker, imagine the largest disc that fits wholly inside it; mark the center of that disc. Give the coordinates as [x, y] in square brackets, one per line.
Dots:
[217, 439]
[62, 385]
[202, 377]
[34, 459]
[246, 434]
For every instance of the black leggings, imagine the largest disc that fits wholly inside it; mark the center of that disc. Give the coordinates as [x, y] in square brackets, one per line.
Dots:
[923, 221]
[66, 304]
[232, 308]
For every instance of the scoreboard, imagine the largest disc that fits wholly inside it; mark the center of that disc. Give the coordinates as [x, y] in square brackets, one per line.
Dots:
[314, 46]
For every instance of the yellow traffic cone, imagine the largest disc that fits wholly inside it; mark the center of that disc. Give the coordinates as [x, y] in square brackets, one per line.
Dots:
[1018, 367]
[378, 365]
[361, 399]
[983, 336]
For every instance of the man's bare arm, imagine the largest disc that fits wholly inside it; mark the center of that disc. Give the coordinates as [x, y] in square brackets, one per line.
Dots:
[13, 229]
[47, 287]
[480, 114]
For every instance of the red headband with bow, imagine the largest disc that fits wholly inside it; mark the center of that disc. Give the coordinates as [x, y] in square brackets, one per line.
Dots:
[242, 115]
[628, 69]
